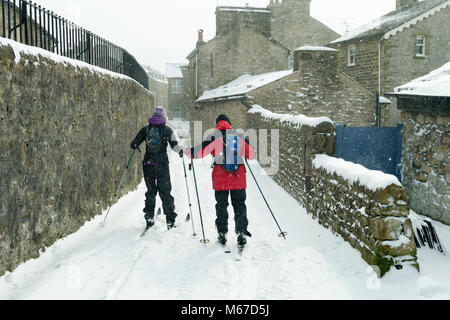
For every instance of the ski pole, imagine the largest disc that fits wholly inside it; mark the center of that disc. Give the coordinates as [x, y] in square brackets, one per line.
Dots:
[282, 234]
[204, 240]
[190, 216]
[121, 181]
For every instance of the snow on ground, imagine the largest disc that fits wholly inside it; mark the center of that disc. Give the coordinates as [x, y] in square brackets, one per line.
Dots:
[114, 263]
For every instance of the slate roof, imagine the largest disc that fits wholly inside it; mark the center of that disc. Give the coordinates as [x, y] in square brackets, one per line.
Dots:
[382, 25]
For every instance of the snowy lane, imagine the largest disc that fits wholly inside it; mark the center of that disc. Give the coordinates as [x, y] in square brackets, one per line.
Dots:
[114, 263]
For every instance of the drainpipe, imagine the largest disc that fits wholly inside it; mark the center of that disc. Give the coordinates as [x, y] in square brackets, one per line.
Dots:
[378, 108]
[196, 73]
[379, 65]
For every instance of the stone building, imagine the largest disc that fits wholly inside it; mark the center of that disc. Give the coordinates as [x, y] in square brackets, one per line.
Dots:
[314, 88]
[396, 48]
[178, 90]
[425, 107]
[242, 44]
[158, 86]
[293, 26]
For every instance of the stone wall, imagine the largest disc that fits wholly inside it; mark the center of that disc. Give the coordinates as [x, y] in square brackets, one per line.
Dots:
[426, 170]
[229, 19]
[288, 17]
[365, 70]
[64, 143]
[374, 222]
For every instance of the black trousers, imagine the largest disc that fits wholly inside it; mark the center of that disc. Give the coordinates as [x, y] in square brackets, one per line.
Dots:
[238, 198]
[157, 179]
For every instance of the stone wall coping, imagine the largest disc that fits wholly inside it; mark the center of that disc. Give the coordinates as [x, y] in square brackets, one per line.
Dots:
[298, 120]
[371, 179]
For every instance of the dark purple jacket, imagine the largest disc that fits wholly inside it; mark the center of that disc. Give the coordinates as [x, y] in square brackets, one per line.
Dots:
[167, 138]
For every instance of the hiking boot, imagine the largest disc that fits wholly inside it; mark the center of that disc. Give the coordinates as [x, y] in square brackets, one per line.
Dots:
[222, 238]
[242, 240]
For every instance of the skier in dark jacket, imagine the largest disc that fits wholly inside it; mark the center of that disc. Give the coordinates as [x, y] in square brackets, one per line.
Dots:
[157, 137]
[228, 180]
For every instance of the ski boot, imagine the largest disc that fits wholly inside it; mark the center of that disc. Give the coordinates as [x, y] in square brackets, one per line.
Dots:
[242, 240]
[150, 223]
[222, 239]
[170, 225]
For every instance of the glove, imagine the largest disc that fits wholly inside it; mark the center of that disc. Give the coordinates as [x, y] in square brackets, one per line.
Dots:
[134, 146]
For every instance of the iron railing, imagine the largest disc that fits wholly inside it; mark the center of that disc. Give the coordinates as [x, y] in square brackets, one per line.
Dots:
[31, 24]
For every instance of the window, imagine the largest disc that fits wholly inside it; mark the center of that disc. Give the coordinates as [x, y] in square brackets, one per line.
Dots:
[177, 86]
[351, 56]
[420, 46]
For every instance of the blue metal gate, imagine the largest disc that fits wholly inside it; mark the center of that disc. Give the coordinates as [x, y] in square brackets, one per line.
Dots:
[374, 148]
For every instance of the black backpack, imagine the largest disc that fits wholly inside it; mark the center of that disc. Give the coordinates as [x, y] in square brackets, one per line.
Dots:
[154, 140]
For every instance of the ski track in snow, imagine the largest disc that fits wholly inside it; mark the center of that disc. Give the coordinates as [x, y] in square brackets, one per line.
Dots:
[113, 262]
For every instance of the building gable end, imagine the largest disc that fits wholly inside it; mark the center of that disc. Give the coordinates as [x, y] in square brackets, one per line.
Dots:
[417, 19]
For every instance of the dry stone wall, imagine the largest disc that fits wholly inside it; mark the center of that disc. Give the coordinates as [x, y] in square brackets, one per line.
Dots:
[426, 170]
[375, 222]
[64, 143]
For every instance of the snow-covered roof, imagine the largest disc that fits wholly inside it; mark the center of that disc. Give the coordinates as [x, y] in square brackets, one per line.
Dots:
[316, 48]
[243, 84]
[173, 70]
[244, 9]
[395, 21]
[436, 83]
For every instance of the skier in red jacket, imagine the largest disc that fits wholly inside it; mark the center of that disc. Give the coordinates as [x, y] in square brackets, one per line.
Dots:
[229, 148]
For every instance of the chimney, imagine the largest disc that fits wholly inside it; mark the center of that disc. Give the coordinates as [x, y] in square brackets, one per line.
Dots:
[316, 60]
[200, 35]
[402, 3]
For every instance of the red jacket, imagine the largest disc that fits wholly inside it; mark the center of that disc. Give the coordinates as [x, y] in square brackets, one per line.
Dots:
[222, 179]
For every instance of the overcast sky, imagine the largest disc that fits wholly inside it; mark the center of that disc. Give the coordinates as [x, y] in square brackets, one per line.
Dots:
[161, 31]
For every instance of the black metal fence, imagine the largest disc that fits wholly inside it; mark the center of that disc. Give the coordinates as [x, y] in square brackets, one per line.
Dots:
[31, 24]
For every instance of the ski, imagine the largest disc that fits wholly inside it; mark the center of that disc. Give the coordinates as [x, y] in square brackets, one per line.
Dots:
[149, 227]
[145, 232]
[226, 248]
[240, 253]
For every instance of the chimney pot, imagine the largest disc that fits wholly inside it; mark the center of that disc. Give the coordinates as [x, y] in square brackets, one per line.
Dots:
[200, 35]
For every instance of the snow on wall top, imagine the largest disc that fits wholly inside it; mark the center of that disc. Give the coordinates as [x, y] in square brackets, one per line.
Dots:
[371, 179]
[436, 83]
[173, 70]
[395, 19]
[316, 48]
[20, 49]
[298, 120]
[243, 84]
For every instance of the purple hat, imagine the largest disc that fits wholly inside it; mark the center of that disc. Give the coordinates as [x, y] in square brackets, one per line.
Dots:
[160, 112]
[159, 116]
